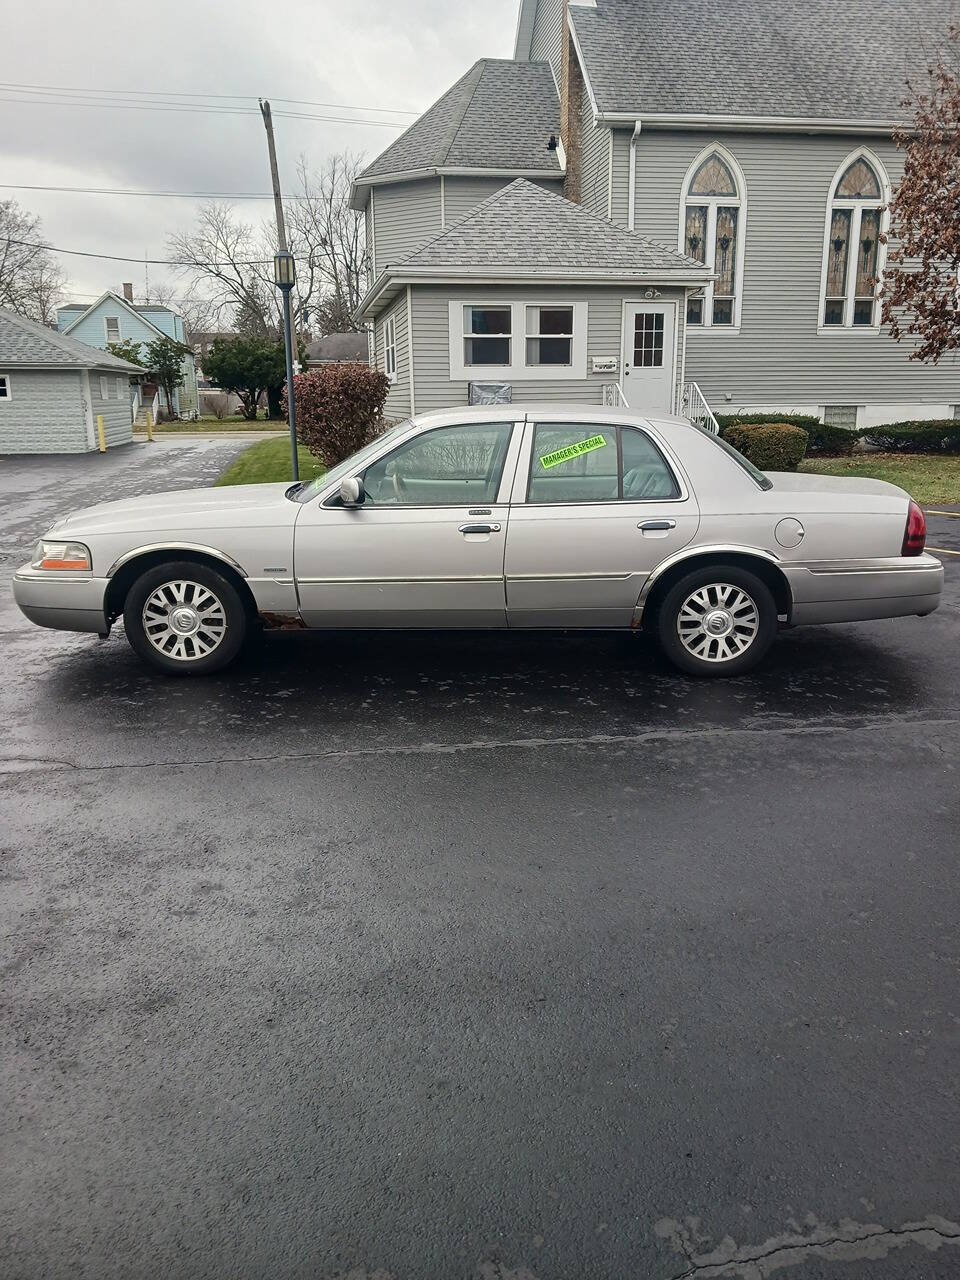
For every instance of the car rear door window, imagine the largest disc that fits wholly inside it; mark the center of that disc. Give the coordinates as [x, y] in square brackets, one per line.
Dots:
[574, 462]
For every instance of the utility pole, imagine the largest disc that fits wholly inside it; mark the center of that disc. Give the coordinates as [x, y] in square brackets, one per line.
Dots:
[284, 274]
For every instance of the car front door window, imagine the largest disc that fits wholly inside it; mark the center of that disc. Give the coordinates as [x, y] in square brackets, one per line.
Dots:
[450, 466]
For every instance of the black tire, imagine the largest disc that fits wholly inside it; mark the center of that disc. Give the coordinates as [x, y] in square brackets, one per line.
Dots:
[744, 632]
[218, 629]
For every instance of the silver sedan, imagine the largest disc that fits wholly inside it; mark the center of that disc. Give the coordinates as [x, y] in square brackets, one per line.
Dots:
[500, 517]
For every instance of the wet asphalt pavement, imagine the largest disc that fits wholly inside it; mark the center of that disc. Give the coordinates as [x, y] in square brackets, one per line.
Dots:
[499, 957]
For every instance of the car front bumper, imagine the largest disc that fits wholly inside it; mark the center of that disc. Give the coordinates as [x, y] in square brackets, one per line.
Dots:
[66, 602]
[856, 590]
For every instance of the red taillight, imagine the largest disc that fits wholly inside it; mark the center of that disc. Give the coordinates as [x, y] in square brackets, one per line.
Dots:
[915, 534]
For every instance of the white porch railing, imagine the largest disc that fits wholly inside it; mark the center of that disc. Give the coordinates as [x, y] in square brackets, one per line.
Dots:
[693, 406]
[155, 407]
[613, 397]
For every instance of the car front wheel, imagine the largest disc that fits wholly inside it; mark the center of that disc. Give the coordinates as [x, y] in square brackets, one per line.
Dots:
[717, 621]
[185, 619]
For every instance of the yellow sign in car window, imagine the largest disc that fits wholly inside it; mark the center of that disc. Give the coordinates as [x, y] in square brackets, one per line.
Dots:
[571, 451]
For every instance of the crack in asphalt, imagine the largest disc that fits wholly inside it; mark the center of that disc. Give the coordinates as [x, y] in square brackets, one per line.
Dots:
[23, 764]
[918, 1231]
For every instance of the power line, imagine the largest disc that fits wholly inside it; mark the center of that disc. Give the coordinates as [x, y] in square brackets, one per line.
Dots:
[85, 91]
[152, 262]
[196, 110]
[122, 191]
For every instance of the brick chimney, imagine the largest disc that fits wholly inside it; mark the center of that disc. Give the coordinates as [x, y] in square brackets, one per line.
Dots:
[571, 102]
[128, 292]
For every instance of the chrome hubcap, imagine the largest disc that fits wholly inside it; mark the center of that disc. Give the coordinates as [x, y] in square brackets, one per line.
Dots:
[184, 620]
[718, 622]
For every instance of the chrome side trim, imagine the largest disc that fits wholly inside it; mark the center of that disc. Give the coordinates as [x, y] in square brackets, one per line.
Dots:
[897, 564]
[571, 577]
[405, 581]
[175, 546]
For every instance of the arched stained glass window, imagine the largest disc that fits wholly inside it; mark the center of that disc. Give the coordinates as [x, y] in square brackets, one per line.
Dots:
[711, 233]
[713, 178]
[853, 246]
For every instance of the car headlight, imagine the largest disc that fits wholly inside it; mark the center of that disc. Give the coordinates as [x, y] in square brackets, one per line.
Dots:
[61, 555]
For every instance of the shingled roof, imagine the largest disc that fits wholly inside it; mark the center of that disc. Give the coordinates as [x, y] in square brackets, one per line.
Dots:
[500, 115]
[820, 60]
[24, 343]
[525, 232]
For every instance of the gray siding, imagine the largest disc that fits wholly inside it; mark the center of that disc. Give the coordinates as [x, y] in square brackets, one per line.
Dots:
[463, 194]
[594, 162]
[407, 216]
[434, 388]
[397, 404]
[547, 42]
[778, 358]
[45, 413]
[117, 422]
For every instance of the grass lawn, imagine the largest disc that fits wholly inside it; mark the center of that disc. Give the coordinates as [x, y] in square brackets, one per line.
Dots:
[268, 462]
[929, 480]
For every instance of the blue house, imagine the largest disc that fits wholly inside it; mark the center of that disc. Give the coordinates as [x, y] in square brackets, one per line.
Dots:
[113, 318]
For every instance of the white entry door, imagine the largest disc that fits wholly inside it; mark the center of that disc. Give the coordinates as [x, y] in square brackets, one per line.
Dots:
[649, 351]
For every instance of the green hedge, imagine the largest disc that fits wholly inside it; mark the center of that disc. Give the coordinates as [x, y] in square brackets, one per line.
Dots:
[932, 436]
[771, 446]
[824, 441]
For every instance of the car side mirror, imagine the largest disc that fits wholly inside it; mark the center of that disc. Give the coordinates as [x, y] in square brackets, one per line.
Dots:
[351, 491]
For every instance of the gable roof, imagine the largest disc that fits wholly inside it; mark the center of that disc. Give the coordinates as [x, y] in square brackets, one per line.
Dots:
[500, 115]
[133, 310]
[523, 232]
[25, 343]
[820, 61]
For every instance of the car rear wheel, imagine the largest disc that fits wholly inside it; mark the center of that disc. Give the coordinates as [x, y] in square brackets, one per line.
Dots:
[185, 619]
[717, 621]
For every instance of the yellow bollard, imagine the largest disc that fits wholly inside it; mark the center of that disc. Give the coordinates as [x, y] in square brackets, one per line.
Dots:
[101, 434]
[150, 426]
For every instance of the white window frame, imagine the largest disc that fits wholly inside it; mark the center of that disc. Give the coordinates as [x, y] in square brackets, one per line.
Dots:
[390, 347]
[857, 208]
[106, 329]
[7, 393]
[738, 202]
[518, 370]
[104, 386]
[119, 387]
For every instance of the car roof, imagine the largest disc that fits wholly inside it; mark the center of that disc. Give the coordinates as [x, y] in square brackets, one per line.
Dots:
[546, 411]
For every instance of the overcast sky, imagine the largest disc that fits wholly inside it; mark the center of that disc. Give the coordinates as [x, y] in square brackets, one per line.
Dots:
[398, 54]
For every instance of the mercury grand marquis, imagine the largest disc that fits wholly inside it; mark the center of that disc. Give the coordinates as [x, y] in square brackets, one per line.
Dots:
[551, 517]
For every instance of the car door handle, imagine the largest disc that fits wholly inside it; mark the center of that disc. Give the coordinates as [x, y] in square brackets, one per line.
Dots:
[656, 526]
[479, 528]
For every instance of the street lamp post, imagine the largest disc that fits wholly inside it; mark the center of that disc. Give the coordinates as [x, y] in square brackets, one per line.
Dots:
[285, 276]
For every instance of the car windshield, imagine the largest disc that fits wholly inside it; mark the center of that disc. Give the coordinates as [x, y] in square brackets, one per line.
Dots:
[349, 466]
[753, 472]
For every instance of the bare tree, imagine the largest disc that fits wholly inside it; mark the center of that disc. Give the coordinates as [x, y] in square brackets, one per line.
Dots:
[229, 262]
[920, 291]
[31, 278]
[332, 237]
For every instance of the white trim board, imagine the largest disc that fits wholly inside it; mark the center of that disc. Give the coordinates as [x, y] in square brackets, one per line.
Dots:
[518, 370]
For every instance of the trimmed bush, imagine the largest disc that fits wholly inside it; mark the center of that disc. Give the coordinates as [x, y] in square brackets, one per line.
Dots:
[940, 436]
[339, 409]
[824, 441]
[771, 446]
[804, 420]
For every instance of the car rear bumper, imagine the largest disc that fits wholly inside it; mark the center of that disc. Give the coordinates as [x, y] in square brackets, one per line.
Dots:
[855, 590]
[63, 602]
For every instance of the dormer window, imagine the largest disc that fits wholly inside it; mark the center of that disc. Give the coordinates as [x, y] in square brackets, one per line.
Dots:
[711, 232]
[852, 253]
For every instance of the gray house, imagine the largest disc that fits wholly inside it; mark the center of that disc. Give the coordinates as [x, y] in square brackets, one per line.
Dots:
[52, 388]
[747, 163]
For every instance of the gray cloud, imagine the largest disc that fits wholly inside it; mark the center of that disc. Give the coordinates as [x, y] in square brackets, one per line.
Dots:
[371, 52]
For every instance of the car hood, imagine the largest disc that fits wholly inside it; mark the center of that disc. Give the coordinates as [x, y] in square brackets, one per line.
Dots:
[232, 505]
[808, 482]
